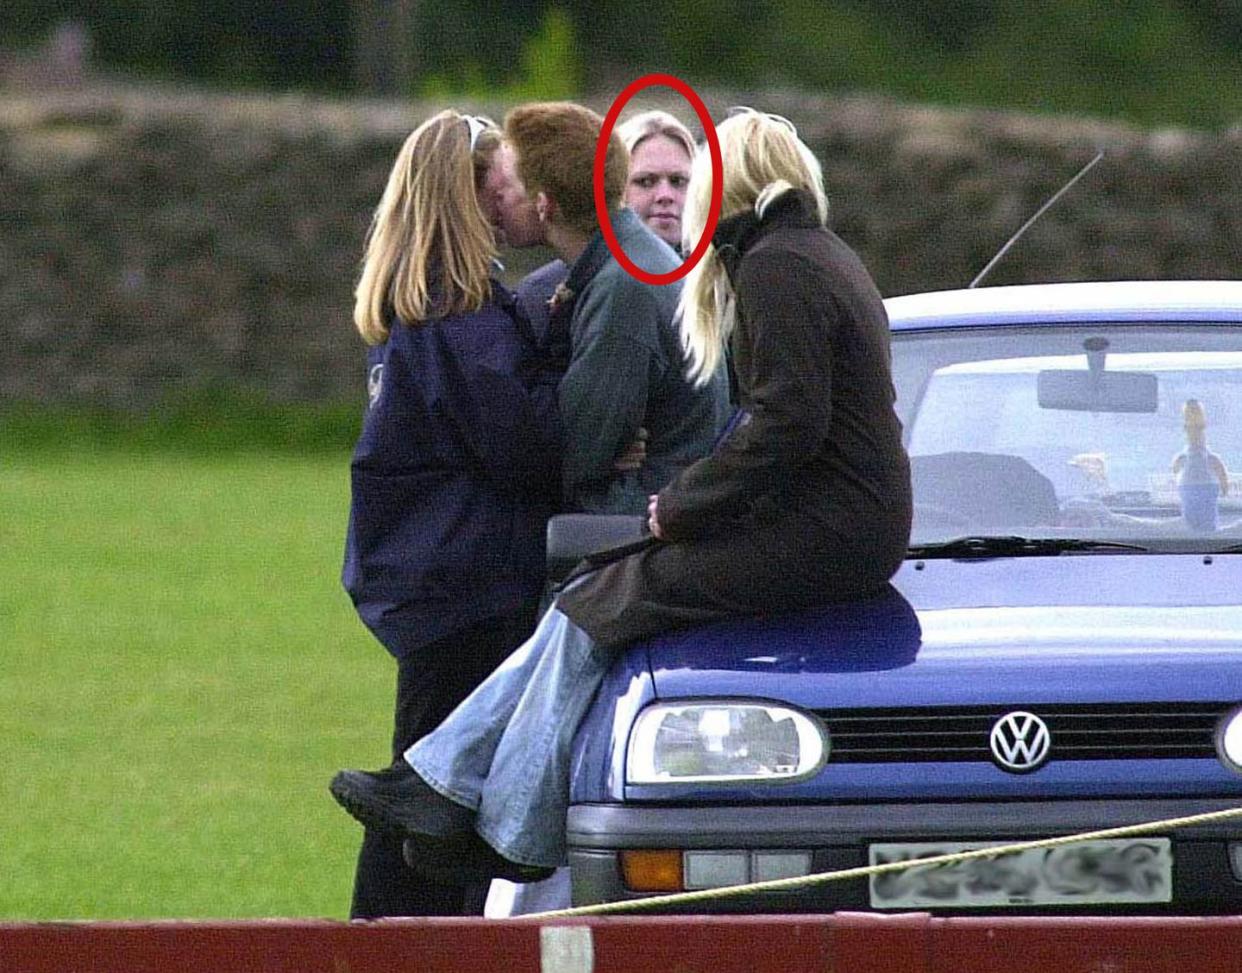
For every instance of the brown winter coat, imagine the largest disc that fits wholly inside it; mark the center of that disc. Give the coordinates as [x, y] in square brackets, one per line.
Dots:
[806, 500]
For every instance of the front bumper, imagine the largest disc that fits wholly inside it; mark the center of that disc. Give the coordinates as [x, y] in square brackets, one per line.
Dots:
[838, 837]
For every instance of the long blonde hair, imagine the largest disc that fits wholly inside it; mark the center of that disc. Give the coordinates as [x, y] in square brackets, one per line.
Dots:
[430, 247]
[762, 158]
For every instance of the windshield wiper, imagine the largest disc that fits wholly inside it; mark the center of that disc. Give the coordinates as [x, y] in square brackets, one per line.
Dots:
[1231, 549]
[983, 546]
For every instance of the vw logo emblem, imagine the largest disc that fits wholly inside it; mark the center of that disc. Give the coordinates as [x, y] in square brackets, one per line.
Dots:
[1020, 741]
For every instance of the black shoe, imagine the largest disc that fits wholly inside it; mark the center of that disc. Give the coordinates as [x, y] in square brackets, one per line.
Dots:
[465, 859]
[397, 800]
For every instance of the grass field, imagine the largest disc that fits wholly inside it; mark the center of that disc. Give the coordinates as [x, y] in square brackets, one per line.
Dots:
[180, 675]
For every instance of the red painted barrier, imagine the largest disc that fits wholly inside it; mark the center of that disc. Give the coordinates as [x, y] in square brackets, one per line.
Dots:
[841, 943]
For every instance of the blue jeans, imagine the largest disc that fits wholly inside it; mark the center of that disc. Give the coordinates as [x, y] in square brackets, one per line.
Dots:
[505, 750]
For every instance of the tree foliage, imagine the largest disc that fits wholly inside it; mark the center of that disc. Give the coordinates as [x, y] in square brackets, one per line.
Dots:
[1150, 61]
[295, 44]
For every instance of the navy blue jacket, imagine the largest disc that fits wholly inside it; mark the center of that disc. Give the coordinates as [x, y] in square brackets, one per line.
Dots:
[454, 476]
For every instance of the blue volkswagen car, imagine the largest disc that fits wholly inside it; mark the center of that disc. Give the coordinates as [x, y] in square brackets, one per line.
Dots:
[1061, 651]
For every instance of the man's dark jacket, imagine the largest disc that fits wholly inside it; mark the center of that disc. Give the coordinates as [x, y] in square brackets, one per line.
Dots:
[627, 371]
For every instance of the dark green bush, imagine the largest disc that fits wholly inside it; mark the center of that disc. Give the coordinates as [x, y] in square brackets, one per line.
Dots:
[205, 421]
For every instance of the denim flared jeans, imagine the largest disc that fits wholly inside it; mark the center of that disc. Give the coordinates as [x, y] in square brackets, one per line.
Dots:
[505, 751]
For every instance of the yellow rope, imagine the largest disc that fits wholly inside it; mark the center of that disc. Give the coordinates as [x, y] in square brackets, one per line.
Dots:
[782, 884]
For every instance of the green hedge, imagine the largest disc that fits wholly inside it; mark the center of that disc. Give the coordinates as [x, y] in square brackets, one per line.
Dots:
[202, 422]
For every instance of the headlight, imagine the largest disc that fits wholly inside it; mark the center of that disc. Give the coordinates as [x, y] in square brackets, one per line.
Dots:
[721, 741]
[1229, 740]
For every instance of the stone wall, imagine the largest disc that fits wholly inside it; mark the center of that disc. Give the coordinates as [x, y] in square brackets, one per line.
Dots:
[153, 242]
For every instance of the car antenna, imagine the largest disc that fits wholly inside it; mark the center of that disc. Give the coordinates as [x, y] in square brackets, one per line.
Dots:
[1040, 212]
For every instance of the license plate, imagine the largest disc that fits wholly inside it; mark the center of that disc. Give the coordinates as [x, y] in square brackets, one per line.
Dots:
[1133, 870]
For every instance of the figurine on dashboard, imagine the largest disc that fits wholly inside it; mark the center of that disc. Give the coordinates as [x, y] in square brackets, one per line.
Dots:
[1199, 473]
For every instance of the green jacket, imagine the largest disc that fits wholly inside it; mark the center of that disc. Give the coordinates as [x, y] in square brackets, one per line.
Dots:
[626, 372]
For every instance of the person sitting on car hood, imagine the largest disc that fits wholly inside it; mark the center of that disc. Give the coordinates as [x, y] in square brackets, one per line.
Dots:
[804, 501]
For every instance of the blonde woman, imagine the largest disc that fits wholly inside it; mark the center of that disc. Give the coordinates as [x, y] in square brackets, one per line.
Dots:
[456, 468]
[805, 501]
[661, 150]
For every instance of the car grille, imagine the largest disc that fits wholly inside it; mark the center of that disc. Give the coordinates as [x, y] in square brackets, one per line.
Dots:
[1078, 732]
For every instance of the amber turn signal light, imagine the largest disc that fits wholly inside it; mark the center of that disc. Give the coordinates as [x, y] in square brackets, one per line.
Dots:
[652, 870]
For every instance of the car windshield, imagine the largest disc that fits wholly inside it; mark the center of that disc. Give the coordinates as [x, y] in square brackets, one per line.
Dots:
[1117, 433]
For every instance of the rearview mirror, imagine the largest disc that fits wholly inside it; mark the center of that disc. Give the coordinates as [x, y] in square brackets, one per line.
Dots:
[1083, 390]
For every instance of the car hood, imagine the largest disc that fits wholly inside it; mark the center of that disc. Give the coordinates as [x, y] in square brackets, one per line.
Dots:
[998, 631]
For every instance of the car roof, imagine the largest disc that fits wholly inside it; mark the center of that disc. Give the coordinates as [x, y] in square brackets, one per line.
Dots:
[1025, 304]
